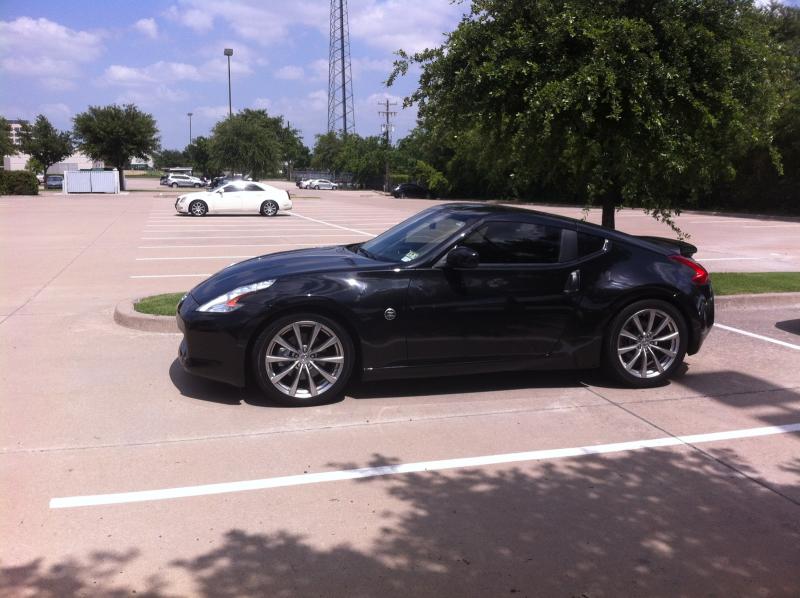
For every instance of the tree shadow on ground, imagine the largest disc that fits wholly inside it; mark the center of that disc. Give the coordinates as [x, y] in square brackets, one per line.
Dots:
[666, 522]
[792, 326]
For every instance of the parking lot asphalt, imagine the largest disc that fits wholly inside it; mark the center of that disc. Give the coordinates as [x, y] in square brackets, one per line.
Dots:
[122, 473]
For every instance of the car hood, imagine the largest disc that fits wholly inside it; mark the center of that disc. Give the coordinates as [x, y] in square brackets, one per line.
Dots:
[280, 265]
[197, 195]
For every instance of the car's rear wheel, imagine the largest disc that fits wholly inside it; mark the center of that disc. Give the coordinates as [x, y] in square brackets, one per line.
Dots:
[646, 343]
[198, 208]
[269, 208]
[197, 185]
[303, 359]
[173, 185]
[316, 187]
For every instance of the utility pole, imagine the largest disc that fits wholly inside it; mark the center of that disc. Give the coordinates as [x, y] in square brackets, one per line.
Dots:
[387, 128]
[189, 114]
[229, 52]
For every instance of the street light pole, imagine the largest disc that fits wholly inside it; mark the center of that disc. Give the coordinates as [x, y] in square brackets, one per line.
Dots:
[229, 53]
[190, 127]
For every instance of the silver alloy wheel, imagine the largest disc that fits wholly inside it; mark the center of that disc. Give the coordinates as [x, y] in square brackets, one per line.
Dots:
[648, 343]
[270, 208]
[304, 359]
[197, 208]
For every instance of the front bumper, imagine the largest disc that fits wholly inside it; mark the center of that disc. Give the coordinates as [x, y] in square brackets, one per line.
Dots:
[214, 345]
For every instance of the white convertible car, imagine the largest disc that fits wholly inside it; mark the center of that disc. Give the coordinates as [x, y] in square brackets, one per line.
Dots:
[235, 197]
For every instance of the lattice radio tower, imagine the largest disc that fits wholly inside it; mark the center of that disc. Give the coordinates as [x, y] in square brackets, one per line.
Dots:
[341, 117]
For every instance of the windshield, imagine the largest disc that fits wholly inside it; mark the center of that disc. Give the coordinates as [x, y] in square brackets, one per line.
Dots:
[417, 236]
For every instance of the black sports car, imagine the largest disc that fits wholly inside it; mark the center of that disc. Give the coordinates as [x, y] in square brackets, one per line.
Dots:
[456, 289]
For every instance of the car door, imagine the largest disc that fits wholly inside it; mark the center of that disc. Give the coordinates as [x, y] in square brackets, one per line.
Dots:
[514, 306]
[252, 197]
[227, 199]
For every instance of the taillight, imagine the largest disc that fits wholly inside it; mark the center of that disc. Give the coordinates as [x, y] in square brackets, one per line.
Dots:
[700, 273]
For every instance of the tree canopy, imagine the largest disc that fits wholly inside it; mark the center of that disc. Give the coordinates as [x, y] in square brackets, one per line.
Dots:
[7, 147]
[45, 144]
[115, 134]
[623, 102]
[249, 142]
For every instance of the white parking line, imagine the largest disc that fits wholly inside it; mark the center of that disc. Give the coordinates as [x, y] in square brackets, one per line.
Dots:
[195, 257]
[247, 236]
[360, 232]
[171, 276]
[231, 245]
[726, 259]
[758, 336]
[370, 472]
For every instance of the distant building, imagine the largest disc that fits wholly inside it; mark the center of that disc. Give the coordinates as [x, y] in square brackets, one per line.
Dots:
[77, 161]
[16, 130]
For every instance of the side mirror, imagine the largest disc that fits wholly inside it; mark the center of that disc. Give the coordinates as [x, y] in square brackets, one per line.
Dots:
[220, 191]
[462, 257]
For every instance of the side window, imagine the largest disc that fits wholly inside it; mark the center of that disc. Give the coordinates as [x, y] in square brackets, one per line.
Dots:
[252, 187]
[229, 189]
[589, 244]
[515, 243]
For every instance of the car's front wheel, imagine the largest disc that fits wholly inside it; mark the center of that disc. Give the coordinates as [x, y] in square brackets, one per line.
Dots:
[197, 185]
[173, 185]
[303, 359]
[646, 343]
[198, 208]
[269, 208]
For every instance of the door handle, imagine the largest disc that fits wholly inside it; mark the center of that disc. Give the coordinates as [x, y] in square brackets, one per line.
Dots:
[573, 284]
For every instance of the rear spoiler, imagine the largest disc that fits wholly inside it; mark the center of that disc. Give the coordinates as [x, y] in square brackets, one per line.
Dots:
[682, 247]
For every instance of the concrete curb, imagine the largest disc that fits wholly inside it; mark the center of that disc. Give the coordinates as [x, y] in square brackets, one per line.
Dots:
[125, 315]
[759, 301]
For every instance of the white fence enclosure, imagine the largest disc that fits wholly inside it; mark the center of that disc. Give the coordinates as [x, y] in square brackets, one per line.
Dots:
[91, 181]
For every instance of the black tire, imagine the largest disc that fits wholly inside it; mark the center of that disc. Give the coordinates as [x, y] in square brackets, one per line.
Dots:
[316, 187]
[197, 185]
[269, 208]
[655, 359]
[173, 185]
[286, 368]
[198, 208]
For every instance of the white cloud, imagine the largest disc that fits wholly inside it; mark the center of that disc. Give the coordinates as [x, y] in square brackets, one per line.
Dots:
[319, 70]
[290, 72]
[210, 113]
[147, 27]
[152, 96]
[411, 25]
[262, 104]
[262, 22]
[118, 74]
[52, 52]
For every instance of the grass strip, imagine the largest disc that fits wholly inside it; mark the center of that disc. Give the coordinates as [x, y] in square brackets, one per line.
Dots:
[738, 283]
[159, 305]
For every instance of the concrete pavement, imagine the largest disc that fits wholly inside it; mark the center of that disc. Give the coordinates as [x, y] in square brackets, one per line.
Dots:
[88, 407]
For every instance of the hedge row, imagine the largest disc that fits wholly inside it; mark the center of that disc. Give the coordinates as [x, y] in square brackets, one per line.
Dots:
[18, 182]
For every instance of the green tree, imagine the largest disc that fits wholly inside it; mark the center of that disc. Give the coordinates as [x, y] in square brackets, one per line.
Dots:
[7, 147]
[44, 143]
[326, 151]
[295, 152]
[115, 134]
[33, 165]
[168, 158]
[198, 153]
[623, 102]
[248, 142]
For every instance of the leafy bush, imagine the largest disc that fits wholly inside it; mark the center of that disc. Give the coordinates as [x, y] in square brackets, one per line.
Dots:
[18, 182]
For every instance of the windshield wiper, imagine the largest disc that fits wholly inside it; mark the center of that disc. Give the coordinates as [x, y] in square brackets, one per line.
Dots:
[366, 253]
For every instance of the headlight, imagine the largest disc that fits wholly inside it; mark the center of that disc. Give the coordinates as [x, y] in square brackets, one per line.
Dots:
[230, 301]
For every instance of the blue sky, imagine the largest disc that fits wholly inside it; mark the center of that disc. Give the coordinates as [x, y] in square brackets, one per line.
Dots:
[57, 58]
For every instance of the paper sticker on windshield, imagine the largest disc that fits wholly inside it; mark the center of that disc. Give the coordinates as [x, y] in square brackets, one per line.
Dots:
[411, 255]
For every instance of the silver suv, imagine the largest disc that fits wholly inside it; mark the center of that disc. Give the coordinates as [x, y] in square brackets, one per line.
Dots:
[182, 180]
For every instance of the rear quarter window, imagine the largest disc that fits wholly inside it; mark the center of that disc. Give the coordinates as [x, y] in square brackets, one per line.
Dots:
[589, 244]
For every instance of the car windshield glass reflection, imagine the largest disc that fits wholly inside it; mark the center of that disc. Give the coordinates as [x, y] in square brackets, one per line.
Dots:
[416, 237]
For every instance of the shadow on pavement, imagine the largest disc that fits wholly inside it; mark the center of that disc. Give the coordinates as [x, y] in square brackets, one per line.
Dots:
[792, 326]
[661, 522]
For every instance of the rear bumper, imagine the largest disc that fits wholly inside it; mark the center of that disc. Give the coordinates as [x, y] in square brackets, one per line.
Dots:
[702, 319]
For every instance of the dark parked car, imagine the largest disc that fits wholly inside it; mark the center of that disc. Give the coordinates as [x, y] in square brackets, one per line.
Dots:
[410, 190]
[54, 181]
[456, 289]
